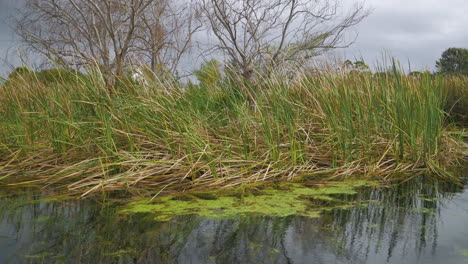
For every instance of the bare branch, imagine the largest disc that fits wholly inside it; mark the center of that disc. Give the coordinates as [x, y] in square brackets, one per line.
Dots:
[109, 32]
[265, 33]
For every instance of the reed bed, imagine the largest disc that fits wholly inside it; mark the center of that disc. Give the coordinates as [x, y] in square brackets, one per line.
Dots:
[164, 136]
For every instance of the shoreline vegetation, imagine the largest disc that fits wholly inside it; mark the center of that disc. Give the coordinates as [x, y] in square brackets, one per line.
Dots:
[157, 137]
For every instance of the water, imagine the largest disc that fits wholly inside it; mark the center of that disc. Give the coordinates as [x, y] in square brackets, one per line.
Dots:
[411, 223]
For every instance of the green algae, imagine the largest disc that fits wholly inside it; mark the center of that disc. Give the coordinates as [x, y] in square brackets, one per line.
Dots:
[281, 201]
[56, 198]
[424, 210]
[463, 252]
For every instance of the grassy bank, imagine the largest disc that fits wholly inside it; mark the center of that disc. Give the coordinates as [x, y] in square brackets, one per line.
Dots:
[164, 136]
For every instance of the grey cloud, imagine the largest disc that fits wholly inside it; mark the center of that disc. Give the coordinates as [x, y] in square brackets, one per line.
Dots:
[418, 30]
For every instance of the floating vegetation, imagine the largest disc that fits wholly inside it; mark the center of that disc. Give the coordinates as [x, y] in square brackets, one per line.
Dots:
[370, 224]
[284, 200]
[463, 252]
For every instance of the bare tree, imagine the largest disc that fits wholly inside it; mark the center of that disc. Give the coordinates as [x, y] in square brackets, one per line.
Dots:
[266, 33]
[107, 32]
[165, 33]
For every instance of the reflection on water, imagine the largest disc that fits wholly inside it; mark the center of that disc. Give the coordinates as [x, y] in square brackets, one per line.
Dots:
[411, 223]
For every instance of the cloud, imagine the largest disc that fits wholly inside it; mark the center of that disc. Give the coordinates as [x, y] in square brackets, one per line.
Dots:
[418, 30]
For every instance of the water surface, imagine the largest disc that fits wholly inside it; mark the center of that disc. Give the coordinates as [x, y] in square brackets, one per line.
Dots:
[411, 223]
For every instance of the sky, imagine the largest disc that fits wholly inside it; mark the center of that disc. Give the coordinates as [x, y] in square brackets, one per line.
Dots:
[7, 38]
[414, 30]
[417, 31]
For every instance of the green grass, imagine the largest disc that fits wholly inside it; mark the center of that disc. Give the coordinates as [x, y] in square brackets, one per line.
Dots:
[168, 136]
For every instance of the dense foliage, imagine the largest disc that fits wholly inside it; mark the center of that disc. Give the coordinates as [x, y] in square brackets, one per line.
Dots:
[453, 61]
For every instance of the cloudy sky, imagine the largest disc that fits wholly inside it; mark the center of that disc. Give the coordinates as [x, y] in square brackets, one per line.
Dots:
[6, 35]
[414, 30]
[411, 30]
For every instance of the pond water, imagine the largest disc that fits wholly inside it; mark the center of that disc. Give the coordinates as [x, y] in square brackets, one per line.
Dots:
[416, 222]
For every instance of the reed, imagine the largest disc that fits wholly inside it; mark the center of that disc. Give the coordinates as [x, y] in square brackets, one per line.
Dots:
[166, 136]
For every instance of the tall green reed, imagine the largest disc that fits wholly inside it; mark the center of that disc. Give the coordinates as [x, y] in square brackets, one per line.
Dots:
[275, 124]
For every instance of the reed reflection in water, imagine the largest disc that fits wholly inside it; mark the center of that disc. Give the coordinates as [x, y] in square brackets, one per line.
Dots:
[417, 222]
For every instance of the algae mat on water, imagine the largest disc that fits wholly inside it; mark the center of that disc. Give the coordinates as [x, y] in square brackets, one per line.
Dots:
[287, 199]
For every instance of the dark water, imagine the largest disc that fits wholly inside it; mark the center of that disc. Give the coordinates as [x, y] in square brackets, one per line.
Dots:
[409, 223]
